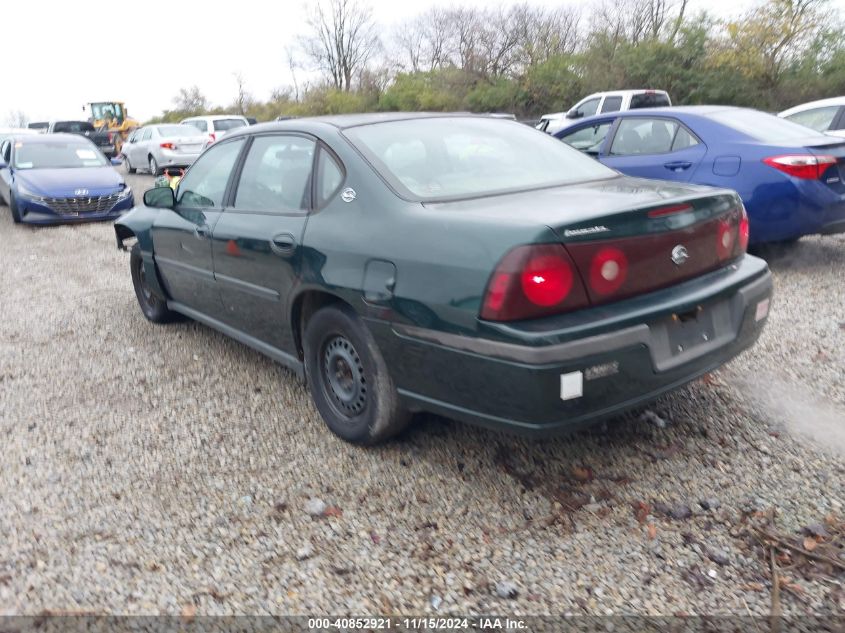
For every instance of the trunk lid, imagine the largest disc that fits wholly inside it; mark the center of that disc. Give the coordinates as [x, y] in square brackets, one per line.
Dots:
[653, 247]
[833, 176]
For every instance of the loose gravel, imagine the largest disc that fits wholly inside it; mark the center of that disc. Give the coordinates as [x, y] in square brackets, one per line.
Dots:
[167, 469]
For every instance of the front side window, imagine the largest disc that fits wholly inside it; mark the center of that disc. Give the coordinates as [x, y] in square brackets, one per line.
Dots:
[589, 108]
[643, 136]
[205, 183]
[454, 157]
[611, 104]
[276, 175]
[588, 139]
[818, 119]
[222, 125]
[201, 125]
[57, 154]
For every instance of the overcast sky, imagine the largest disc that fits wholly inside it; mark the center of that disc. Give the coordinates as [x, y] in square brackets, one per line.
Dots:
[59, 55]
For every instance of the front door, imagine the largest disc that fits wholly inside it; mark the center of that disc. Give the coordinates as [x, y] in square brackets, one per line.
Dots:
[258, 240]
[182, 235]
[659, 148]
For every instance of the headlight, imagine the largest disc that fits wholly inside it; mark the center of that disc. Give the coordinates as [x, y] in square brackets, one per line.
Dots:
[28, 193]
[126, 192]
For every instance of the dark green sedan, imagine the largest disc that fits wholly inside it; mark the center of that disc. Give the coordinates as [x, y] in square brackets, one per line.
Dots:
[467, 266]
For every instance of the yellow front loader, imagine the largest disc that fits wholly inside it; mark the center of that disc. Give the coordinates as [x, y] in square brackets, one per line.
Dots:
[111, 116]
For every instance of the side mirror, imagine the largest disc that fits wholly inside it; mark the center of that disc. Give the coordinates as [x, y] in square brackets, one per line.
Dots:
[574, 114]
[3, 164]
[116, 161]
[160, 197]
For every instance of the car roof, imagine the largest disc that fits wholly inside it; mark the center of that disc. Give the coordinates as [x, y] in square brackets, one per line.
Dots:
[832, 101]
[61, 136]
[344, 121]
[209, 117]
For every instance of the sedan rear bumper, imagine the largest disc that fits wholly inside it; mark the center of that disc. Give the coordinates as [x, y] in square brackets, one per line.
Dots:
[615, 358]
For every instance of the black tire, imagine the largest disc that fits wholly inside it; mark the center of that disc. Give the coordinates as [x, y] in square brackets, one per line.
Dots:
[129, 168]
[155, 170]
[153, 307]
[348, 378]
[13, 207]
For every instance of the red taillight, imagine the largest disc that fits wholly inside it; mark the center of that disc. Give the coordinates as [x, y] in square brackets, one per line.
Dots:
[111, 137]
[167, 146]
[547, 280]
[726, 236]
[212, 137]
[743, 231]
[805, 166]
[608, 271]
[533, 281]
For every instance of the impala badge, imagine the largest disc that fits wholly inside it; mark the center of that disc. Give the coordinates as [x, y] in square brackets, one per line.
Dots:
[80, 192]
[680, 254]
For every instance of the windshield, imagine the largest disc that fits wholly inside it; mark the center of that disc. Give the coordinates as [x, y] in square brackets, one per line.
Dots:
[228, 124]
[178, 130]
[761, 126]
[107, 111]
[57, 155]
[463, 157]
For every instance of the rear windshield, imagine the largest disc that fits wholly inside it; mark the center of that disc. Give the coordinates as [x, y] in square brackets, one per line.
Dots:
[73, 126]
[650, 100]
[455, 157]
[57, 155]
[178, 130]
[228, 124]
[761, 126]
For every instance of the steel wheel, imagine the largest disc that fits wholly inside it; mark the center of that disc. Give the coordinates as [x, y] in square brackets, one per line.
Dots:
[343, 375]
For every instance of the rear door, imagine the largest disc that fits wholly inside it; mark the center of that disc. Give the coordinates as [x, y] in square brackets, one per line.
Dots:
[182, 235]
[654, 147]
[258, 240]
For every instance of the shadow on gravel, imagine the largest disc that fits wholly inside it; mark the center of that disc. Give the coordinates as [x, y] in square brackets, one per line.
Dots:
[803, 255]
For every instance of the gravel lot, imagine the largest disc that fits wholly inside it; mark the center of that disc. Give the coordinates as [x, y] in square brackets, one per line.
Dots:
[150, 469]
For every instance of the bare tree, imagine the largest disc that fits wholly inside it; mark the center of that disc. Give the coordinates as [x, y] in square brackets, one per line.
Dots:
[343, 39]
[190, 100]
[17, 118]
[243, 99]
[293, 66]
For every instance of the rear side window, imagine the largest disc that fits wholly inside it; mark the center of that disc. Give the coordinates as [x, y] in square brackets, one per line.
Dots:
[611, 104]
[650, 100]
[228, 124]
[205, 183]
[588, 139]
[329, 177]
[147, 135]
[818, 119]
[277, 174]
[644, 136]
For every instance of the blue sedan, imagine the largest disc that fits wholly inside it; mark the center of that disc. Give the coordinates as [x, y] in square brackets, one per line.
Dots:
[790, 177]
[51, 178]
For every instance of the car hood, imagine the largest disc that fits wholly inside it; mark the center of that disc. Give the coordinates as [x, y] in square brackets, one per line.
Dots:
[574, 203]
[56, 183]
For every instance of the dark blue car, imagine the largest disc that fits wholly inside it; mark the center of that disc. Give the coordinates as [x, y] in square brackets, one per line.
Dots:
[790, 177]
[51, 178]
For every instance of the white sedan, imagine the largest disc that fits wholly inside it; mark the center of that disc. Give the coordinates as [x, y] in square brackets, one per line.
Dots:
[157, 147]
